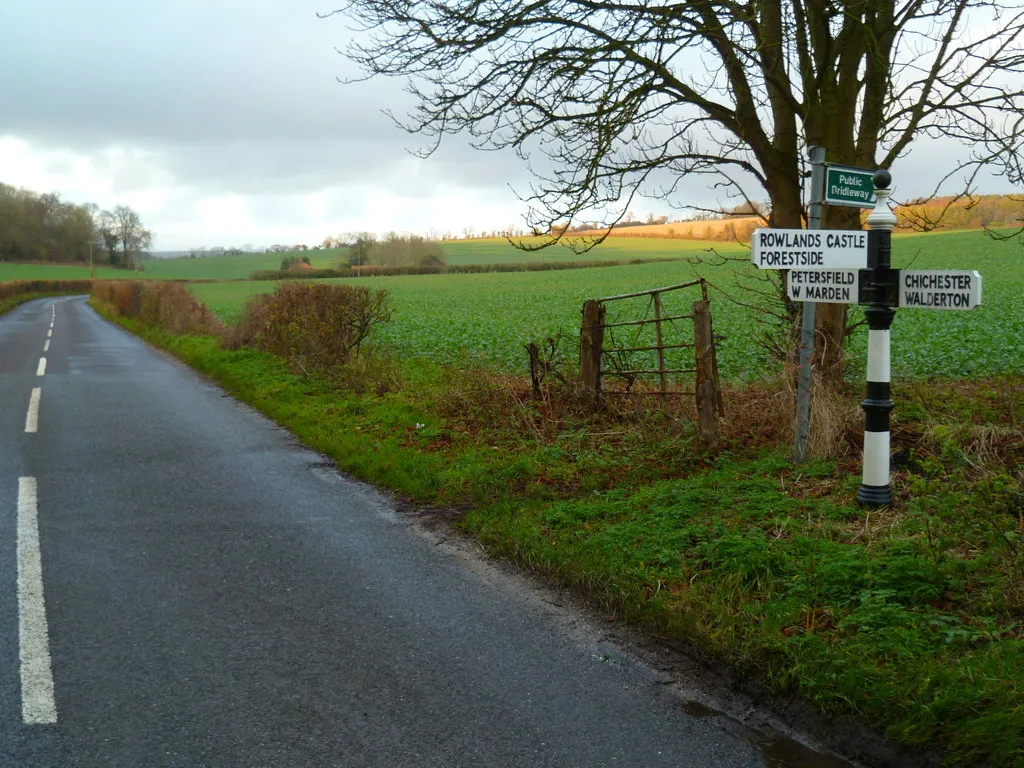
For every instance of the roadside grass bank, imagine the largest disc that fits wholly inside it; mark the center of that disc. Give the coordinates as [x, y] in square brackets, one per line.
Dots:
[910, 618]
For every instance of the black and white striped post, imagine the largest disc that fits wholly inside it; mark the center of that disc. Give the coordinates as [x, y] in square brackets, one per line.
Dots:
[875, 490]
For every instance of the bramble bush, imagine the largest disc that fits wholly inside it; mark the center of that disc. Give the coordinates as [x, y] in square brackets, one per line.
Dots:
[316, 326]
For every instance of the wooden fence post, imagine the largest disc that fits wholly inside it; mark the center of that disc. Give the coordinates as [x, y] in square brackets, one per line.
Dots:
[708, 399]
[591, 342]
[662, 376]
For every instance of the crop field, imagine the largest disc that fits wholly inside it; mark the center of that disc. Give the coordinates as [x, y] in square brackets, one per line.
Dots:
[487, 318]
[231, 267]
[204, 268]
[499, 251]
[457, 252]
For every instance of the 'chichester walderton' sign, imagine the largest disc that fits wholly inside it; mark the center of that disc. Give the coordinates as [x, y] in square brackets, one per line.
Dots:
[940, 289]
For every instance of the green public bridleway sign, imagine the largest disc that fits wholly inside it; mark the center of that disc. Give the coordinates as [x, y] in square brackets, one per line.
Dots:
[849, 186]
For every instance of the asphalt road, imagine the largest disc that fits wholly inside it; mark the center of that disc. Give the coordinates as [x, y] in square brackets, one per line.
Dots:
[203, 593]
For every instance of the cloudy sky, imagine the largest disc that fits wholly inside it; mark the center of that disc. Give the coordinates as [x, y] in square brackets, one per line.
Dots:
[222, 123]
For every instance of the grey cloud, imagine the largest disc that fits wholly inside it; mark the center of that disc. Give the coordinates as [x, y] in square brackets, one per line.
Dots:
[223, 96]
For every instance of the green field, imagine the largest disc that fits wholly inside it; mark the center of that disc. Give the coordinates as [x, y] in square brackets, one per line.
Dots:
[457, 253]
[487, 318]
[499, 251]
[204, 268]
[231, 267]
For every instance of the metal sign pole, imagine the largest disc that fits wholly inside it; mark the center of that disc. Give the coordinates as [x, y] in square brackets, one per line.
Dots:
[875, 490]
[804, 380]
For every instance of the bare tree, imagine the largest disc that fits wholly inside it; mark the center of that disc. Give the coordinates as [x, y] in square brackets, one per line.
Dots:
[132, 238]
[106, 228]
[605, 99]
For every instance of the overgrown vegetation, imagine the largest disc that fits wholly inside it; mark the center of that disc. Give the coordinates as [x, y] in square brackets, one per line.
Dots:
[908, 617]
[164, 305]
[317, 327]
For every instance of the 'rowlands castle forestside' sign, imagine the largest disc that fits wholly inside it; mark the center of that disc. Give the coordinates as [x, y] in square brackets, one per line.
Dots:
[809, 249]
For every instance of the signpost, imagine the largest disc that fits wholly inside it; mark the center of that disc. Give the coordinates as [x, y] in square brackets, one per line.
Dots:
[809, 249]
[852, 187]
[844, 266]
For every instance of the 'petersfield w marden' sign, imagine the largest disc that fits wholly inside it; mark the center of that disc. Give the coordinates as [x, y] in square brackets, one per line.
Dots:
[809, 249]
[828, 286]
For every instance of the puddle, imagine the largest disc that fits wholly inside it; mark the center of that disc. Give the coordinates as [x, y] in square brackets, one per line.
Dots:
[695, 709]
[777, 750]
[780, 752]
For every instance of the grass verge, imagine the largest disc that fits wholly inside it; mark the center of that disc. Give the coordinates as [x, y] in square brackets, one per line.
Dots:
[909, 618]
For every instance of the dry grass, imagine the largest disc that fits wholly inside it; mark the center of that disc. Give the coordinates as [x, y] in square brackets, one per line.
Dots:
[837, 424]
[764, 414]
[758, 415]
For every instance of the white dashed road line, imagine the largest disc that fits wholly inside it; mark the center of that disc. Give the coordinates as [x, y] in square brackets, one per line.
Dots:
[41, 370]
[32, 419]
[37, 701]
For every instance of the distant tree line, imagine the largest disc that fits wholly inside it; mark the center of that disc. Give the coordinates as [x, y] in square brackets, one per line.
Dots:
[203, 252]
[278, 248]
[393, 250]
[966, 212]
[42, 227]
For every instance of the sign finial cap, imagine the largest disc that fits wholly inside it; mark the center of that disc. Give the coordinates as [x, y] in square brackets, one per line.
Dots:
[882, 179]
